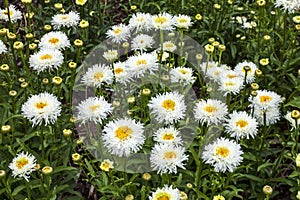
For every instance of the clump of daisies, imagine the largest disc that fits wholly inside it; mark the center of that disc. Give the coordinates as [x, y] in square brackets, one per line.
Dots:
[13, 13]
[43, 108]
[289, 6]
[23, 165]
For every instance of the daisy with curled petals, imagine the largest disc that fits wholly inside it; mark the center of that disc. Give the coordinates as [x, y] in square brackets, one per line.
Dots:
[182, 75]
[97, 75]
[142, 42]
[289, 6]
[163, 21]
[110, 55]
[231, 86]
[13, 13]
[291, 120]
[168, 108]
[223, 154]
[55, 40]
[265, 99]
[230, 74]
[94, 109]
[22, 165]
[165, 193]
[3, 48]
[272, 115]
[241, 125]
[168, 135]
[123, 137]
[46, 59]
[210, 111]
[183, 21]
[166, 158]
[140, 21]
[122, 73]
[118, 33]
[65, 20]
[141, 63]
[205, 66]
[215, 72]
[169, 46]
[40, 108]
[250, 67]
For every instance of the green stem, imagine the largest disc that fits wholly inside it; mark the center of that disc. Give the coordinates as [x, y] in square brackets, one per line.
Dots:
[28, 190]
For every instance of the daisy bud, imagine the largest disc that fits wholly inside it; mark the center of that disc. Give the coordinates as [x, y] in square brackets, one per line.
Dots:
[189, 185]
[230, 2]
[129, 112]
[209, 48]
[83, 24]
[72, 119]
[21, 79]
[183, 196]
[267, 190]
[47, 27]
[47, 1]
[264, 61]
[215, 43]
[45, 81]
[133, 7]
[254, 86]
[76, 157]
[11, 36]
[56, 80]
[58, 6]
[146, 176]
[298, 72]
[283, 99]
[78, 42]
[273, 12]
[26, 1]
[243, 38]
[199, 56]
[18, 45]
[4, 67]
[92, 13]
[222, 47]
[297, 27]
[72, 65]
[29, 35]
[296, 19]
[267, 37]
[217, 6]
[125, 45]
[32, 46]
[211, 40]
[258, 72]
[219, 197]
[146, 91]
[198, 17]
[172, 34]
[5, 128]
[37, 167]
[261, 2]
[80, 2]
[295, 114]
[12, 93]
[116, 103]
[298, 195]
[2, 173]
[253, 93]
[47, 170]
[67, 132]
[298, 160]
[79, 141]
[3, 31]
[165, 77]
[29, 15]
[129, 197]
[24, 84]
[209, 89]
[238, 35]
[240, 8]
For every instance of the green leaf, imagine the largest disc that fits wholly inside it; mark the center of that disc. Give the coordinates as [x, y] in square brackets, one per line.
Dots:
[265, 165]
[18, 189]
[294, 103]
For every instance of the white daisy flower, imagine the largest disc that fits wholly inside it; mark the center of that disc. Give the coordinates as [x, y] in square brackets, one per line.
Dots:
[3, 48]
[163, 21]
[211, 111]
[165, 193]
[168, 135]
[118, 33]
[291, 120]
[123, 137]
[205, 66]
[94, 109]
[223, 154]
[215, 72]
[247, 25]
[183, 21]
[142, 42]
[46, 59]
[241, 19]
[169, 46]
[239, 68]
[111, 55]
[231, 86]
[141, 63]
[230, 74]
[168, 108]
[289, 6]
[140, 21]
[97, 75]
[42, 108]
[272, 115]
[55, 40]
[122, 72]
[182, 75]
[164, 56]
[265, 99]
[65, 20]
[241, 125]
[14, 14]
[166, 158]
[22, 165]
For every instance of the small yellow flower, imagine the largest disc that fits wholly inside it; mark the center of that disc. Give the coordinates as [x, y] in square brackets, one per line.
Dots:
[125, 45]
[29, 35]
[222, 47]
[297, 26]
[92, 13]
[295, 114]
[264, 61]
[215, 43]
[217, 6]
[3, 31]
[258, 72]
[37, 167]
[11, 36]
[67, 132]
[209, 48]
[58, 6]
[29, 15]
[32, 46]
[79, 141]
[133, 7]
[47, 1]
[267, 190]
[24, 84]
[199, 56]
[254, 86]
[146, 176]
[72, 119]
[198, 17]
[62, 10]
[189, 185]
[47, 170]
[56, 80]
[267, 37]
[80, 2]
[116, 103]
[4, 67]
[298, 160]
[296, 19]
[72, 65]
[76, 157]
[261, 2]
[230, 2]
[146, 91]
[298, 195]
[218, 197]
[45, 80]
[211, 40]
[106, 165]
[26, 1]
[83, 24]
[47, 27]
[129, 197]
[12, 93]
[183, 196]
[243, 38]
[18, 45]
[131, 100]
[253, 93]
[5, 128]
[78, 42]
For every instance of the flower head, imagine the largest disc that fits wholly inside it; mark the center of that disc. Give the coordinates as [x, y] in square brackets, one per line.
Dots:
[183, 21]
[118, 33]
[3, 48]
[98, 75]
[65, 20]
[142, 42]
[289, 6]
[265, 99]
[13, 13]
[168, 135]
[22, 165]
[167, 193]
[141, 63]
[182, 75]
[241, 68]
[163, 21]
[55, 40]
[122, 72]
[106, 165]
[140, 21]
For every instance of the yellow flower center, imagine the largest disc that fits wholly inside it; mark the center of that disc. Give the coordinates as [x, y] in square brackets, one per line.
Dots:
[123, 133]
[41, 105]
[182, 20]
[222, 151]
[169, 45]
[117, 31]
[210, 109]
[265, 99]
[141, 62]
[54, 40]
[241, 123]
[168, 136]
[162, 196]
[169, 104]
[183, 71]
[170, 155]
[46, 57]
[228, 84]
[94, 107]
[98, 76]
[64, 17]
[161, 20]
[6, 13]
[119, 70]
[21, 162]
[140, 19]
[231, 76]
